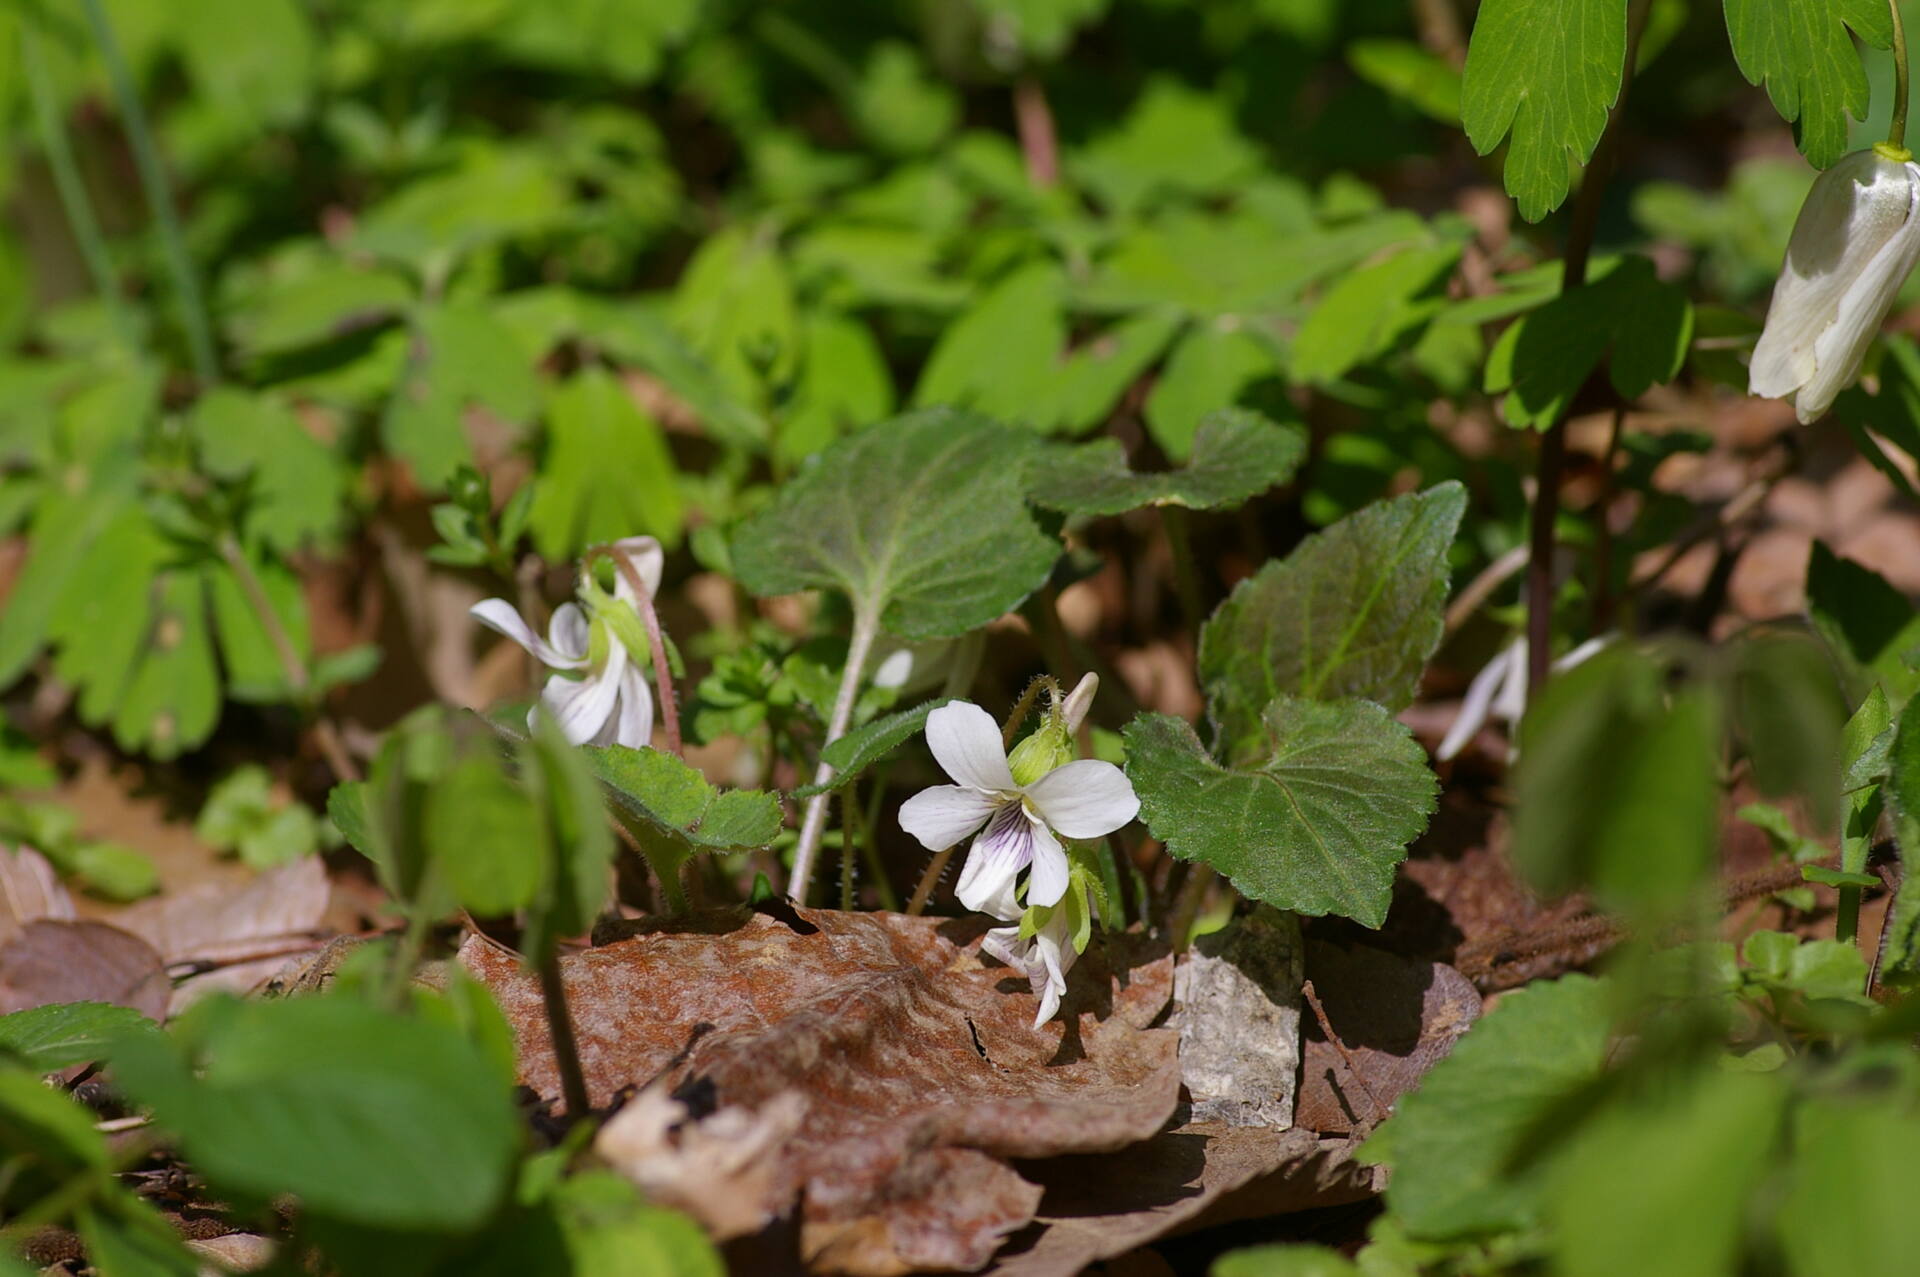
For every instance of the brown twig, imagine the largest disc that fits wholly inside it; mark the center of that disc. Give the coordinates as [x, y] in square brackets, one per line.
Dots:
[1601, 616]
[1381, 1111]
[1481, 588]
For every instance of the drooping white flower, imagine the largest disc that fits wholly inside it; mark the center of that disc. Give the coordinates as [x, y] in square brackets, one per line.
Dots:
[1018, 822]
[1853, 245]
[600, 694]
[1043, 957]
[1499, 691]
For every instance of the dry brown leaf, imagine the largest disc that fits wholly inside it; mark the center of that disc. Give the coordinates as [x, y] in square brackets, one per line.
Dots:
[1195, 1176]
[56, 960]
[216, 921]
[29, 891]
[919, 1066]
[719, 1168]
[1397, 1017]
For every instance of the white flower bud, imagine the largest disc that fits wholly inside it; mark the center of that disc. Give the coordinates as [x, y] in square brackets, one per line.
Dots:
[1853, 245]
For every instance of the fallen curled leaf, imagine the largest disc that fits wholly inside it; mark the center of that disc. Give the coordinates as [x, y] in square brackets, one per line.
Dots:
[58, 960]
[29, 891]
[230, 926]
[1195, 1176]
[719, 1167]
[1396, 1018]
[917, 1064]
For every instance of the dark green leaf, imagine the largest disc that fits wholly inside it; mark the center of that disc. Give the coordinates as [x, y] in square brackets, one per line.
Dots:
[1871, 627]
[1355, 610]
[1236, 455]
[1543, 359]
[486, 836]
[1314, 816]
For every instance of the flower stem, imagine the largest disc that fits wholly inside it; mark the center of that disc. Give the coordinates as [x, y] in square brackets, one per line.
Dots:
[73, 192]
[866, 627]
[153, 178]
[566, 1048]
[1897, 128]
[662, 670]
[929, 879]
[1583, 224]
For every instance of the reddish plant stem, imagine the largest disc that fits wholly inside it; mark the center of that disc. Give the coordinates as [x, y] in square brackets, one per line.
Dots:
[1038, 141]
[662, 669]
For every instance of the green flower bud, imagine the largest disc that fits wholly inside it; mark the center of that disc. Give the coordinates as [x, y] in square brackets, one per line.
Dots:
[1049, 746]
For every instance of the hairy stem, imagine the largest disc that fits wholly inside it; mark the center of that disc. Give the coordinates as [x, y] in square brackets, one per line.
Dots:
[929, 879]
[153, 179]
[866, 627]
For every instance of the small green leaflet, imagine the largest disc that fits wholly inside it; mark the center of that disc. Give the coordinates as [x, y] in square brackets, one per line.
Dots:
[1802, 51]
[1236, 455]
[1355, 610]
[1313, 818]
[1001, 356]
[921, 520]
[1369, 310]
[296, 485]
[1208, 368]
[861, 748]
[607, 473]
[678, 800]
[1542, 359]
[1549, 70]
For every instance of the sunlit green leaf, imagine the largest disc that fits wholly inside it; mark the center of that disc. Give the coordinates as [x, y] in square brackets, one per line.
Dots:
[1236, 455]
[1353, 611]
[921, 521]
[1369, 310]
[1313, 815]
[1804, 53]
[1548, 70]
[46, 1038]
[607, 473]
[1209, 369]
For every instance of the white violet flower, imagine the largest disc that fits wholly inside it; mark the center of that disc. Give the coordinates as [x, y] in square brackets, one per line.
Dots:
[1853, 245]
[1021, 805]
[1499, 691]
[1043, 957]
[600, 693]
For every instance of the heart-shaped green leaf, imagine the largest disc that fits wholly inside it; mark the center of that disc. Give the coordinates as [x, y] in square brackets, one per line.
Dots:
[1313, 819]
